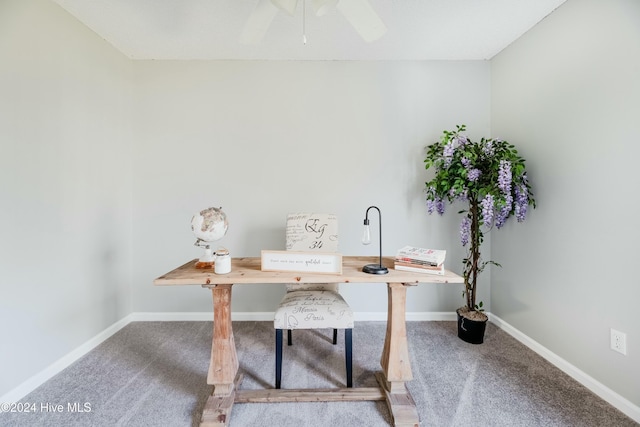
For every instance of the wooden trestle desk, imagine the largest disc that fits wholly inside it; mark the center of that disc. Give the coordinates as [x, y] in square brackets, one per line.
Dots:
[223, 369]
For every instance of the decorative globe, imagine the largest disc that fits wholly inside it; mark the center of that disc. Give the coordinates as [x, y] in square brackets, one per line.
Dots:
[209, 225]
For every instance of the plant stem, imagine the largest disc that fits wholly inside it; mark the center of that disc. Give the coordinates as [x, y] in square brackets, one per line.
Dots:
[474, 256]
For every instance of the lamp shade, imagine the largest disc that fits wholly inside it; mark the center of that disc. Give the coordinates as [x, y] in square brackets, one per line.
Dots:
[366, 234]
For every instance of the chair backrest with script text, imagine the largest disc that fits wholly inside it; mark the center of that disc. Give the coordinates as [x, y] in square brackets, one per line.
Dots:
[312, 232]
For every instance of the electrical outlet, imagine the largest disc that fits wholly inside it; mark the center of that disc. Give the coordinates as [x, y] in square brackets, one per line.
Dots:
[619, 341]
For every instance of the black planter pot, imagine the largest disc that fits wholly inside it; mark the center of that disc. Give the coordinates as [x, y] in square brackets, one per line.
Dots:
[471, 331]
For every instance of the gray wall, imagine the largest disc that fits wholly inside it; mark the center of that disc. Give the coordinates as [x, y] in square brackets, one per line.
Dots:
[65, 186]
[567, 94]
[262, 139]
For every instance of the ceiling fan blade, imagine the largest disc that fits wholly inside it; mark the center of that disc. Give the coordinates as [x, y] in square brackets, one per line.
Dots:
[258, 23]
[363, 18]
[321, 7]
[288, 6]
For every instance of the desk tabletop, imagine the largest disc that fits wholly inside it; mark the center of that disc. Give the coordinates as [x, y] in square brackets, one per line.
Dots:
[247, 270]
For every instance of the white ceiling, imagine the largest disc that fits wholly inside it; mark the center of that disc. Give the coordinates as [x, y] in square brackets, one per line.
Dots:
[210, 29]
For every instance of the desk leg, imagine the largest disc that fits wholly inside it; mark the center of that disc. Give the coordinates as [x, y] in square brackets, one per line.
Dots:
[396, 367]
[223, 368]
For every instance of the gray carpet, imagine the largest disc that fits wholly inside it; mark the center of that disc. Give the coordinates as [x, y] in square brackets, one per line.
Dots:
[154, 374]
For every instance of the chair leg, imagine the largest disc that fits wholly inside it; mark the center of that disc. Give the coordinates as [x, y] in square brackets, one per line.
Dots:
[335, 336]
[278, 357]
[289, 337]
[348, 356]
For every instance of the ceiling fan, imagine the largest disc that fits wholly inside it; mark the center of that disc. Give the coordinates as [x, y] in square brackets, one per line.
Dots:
[359, 13]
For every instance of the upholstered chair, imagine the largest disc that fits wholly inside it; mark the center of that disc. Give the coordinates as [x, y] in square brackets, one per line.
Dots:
[313, 306]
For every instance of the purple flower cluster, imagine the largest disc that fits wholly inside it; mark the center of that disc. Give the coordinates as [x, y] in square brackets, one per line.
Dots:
[504, 176]
[488, 149]
[434, 203]
[431, 206]
[447, 153]
[465, 230]
[431, 203]
[473, 174]
[487, 204]
[454, 195]
[502, 216]
[461, 140]
[522, 202]
[449, 149]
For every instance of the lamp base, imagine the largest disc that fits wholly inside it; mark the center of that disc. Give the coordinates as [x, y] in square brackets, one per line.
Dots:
[375, 269]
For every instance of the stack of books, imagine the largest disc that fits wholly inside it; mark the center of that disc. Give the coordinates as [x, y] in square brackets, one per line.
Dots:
[429, 261]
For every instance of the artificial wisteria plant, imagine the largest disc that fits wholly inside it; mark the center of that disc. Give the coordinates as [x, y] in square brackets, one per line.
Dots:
[490, 178]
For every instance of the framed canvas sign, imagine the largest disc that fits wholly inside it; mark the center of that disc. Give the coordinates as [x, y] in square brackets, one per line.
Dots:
[312, 232]
[301, 262]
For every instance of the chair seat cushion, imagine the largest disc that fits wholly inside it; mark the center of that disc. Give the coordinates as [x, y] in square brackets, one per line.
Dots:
[313, 310]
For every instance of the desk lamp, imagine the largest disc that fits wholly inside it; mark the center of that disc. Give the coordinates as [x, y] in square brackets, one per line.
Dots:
[366, 239]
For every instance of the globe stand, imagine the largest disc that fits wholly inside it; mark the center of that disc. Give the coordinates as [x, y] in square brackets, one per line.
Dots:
[207, 260]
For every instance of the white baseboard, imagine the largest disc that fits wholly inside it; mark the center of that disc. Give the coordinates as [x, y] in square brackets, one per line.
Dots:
[265, 316]
[199, 317]
[604, 392]
[56, 367]
[375, 316]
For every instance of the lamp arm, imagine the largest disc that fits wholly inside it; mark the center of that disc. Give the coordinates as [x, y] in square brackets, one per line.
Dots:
[366, 221]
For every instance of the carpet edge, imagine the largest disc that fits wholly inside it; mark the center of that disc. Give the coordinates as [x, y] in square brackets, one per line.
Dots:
[605, 393]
